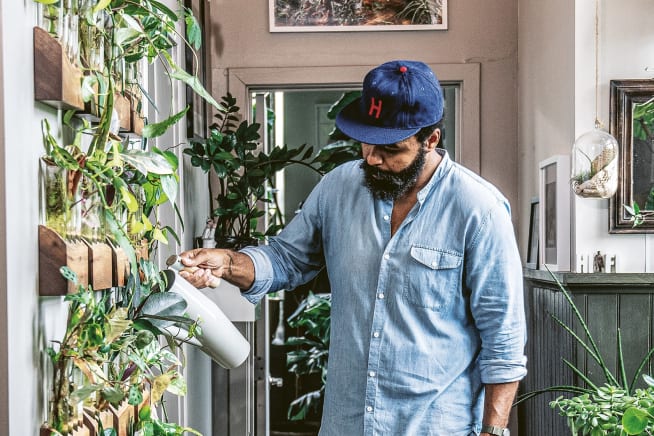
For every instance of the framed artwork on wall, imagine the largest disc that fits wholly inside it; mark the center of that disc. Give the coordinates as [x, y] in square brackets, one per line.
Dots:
[554, 213]
[632, 124]
[532, 242]
[357, 15]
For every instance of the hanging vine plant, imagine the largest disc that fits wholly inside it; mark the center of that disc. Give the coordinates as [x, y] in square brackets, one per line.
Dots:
[109, 353]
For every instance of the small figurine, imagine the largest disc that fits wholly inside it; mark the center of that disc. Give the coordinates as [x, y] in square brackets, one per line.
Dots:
[598, 262]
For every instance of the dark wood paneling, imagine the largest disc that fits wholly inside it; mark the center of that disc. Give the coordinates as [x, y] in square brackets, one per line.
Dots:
[607, 302]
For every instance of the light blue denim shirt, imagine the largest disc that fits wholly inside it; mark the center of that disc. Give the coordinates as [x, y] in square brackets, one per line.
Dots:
[420, 320]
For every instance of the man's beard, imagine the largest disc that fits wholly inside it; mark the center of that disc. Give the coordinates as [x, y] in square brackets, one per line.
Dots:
[387, 185]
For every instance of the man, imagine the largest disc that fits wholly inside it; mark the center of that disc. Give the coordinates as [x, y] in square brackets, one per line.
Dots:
[426, 280]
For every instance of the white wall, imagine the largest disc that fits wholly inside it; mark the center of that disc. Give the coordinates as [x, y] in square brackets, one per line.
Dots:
[30, 322]
[4, 390]
[480, 31]
[626, 49]
[557, 101]
[546, 91]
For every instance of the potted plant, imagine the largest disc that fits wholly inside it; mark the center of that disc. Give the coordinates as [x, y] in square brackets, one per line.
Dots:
[245, 174]
[615, 407]
[310, 352]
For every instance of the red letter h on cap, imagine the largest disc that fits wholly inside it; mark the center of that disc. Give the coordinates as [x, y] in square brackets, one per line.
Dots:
[375, 107]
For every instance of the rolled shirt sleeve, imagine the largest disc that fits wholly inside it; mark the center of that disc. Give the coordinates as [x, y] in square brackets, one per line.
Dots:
[494, 275]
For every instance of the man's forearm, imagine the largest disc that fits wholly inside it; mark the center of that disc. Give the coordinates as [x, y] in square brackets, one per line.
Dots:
[238, 269]
[497, 403]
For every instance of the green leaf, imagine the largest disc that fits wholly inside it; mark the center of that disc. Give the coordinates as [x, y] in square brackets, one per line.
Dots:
[635, 421]
[125, 35]
[129, 199]
[147, 162]
[47, 2]
[169, 185]
[117, 324]
[163, 8]
[119, 235]
[157, 129]
[88, 87]
[135, 396]
[102, 4]
[158, 235]
[193, 30]
[69, 274]
[113, 394]
[84, 392]
[177, 386]
[194, 83]
[163, 304]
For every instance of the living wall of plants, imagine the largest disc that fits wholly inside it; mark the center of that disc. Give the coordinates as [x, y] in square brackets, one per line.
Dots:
[104, 184]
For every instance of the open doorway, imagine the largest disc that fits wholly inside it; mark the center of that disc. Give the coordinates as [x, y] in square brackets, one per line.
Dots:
[294, 117]
[240, 399]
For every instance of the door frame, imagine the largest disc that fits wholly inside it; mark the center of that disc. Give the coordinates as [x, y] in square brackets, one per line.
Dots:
[242, 81]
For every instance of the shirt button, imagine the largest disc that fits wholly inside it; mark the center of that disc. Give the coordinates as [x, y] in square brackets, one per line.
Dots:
[369, 409]
[381, 296]
[387, 256]
[386, 217]
[434, 263]
[376, 334]
[372, 373]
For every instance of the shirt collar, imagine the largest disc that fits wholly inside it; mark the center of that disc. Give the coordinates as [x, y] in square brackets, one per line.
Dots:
[441, 169]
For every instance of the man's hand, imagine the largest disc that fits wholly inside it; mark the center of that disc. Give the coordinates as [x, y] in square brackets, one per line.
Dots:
[216, 263]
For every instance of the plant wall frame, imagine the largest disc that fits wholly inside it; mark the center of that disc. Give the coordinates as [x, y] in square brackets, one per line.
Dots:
[632, 124]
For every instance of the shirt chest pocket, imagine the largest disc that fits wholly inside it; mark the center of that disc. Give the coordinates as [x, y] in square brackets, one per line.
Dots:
[433, 278]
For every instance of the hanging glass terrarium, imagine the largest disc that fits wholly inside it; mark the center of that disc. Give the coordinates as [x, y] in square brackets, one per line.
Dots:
[595, 153]
[595, 164]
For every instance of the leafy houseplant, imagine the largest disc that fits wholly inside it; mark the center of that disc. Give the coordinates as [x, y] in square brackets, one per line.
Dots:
[244, 172]
[312, 317]
[615, 408]
[109, 353]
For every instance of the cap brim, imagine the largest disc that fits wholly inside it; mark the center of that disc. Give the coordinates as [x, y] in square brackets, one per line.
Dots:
[349, 122]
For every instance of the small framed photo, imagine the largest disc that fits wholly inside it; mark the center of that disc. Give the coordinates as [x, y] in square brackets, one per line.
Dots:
[356, 15]
[554, 213]
[532, 243]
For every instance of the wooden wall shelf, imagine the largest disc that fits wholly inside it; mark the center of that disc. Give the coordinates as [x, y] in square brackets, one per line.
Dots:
[55, 252]
[56, 81]
[123, 108]
[100, 264]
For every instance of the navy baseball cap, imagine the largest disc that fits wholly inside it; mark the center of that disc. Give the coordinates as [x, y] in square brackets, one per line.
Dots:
[398, 99]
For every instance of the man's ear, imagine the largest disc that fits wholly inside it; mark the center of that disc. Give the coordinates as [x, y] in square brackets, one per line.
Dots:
[433, 140]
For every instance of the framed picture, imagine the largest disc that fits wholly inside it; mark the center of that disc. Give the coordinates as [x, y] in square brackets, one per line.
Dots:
[632, 124]
[554, 213]
[532, 243]
[357, 15]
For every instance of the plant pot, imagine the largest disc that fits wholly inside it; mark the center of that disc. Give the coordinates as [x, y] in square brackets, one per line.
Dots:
[54, 194]
[299, 428]
[235, 242]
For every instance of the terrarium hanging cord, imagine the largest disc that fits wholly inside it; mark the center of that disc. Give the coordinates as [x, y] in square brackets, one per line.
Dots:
[598, 124]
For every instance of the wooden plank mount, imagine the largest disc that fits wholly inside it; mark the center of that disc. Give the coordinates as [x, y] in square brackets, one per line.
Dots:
[100, 265]
[56, 81]
[55, 252]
